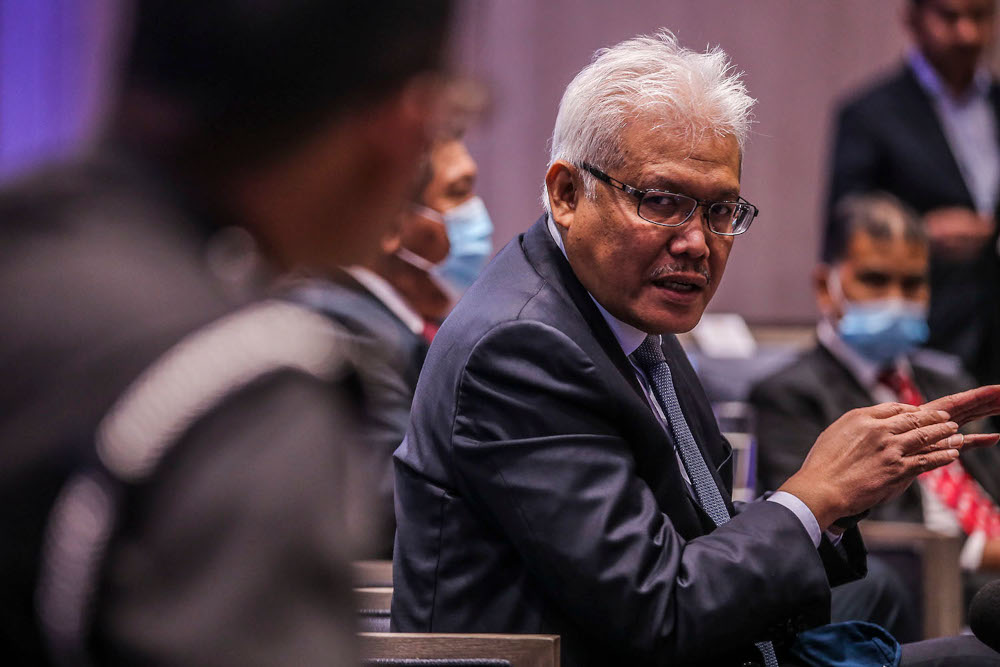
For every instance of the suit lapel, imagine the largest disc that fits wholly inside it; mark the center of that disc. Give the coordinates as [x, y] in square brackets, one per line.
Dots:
[548, 260]
[917, 109]
[699, 416]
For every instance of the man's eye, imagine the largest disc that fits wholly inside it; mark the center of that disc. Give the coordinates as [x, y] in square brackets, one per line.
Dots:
[874, 279]
[722, 209]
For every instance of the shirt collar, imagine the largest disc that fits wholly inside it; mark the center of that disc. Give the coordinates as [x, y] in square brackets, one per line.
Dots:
[627, 335]
[931, 82]
[865, 371]
[382, 290]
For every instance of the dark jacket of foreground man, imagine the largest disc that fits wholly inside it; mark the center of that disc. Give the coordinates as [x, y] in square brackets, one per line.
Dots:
[233, 551]
[536, 492]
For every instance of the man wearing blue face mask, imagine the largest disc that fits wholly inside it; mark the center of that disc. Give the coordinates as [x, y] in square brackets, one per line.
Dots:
[873, 298]
[451, 192]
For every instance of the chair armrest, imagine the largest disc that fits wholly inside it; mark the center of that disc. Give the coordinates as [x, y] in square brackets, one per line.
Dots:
[940, 571]
[519, 650]
[372, 573]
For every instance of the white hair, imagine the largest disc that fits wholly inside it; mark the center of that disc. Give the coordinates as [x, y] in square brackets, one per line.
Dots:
[685, 91]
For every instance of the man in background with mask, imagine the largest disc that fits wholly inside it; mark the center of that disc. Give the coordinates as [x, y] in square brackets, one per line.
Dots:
[394, 304]
[874, 297]
[928, 134]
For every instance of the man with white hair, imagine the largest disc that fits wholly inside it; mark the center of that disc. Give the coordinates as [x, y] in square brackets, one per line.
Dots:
[563, 472]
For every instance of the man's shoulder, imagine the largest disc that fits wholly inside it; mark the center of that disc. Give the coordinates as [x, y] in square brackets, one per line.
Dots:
[515, 291]
[802, 374]
[883, 91]
[939, 373]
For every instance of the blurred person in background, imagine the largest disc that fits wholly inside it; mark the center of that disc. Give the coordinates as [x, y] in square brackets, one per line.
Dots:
[874, 298]
[395, 303]
[213, 500]
[928, 134]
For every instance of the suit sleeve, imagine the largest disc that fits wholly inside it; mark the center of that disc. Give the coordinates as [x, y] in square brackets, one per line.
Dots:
[239, 550]
[537, 445]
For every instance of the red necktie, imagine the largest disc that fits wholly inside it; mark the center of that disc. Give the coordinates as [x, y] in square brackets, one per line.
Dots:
[956, 488]
[430, 330]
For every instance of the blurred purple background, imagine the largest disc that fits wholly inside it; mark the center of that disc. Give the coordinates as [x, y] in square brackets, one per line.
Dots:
[800, 57]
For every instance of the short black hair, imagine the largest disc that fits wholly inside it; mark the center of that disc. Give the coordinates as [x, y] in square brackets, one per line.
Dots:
[877, 214]
[265, 71]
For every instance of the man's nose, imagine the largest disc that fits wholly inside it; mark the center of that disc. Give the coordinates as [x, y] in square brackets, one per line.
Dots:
[691, 238]
[969, 31]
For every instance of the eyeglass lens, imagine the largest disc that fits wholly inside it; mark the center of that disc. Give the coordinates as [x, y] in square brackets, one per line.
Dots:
[673, 209]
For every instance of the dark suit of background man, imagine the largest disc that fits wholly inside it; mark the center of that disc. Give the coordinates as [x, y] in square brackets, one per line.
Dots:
[873, 296]
[396, 302]
[299, 123]
[552, 480]
[928, 134]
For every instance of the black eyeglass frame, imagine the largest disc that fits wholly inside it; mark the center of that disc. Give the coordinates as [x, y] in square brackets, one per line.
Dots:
[639, 194]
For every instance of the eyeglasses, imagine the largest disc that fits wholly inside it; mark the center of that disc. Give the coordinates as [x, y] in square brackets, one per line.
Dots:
[669, 209]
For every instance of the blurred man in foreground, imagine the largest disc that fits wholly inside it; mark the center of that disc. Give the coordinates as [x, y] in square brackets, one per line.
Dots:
[928, 134]
[873, 297]
[563, 472]
[214, 503]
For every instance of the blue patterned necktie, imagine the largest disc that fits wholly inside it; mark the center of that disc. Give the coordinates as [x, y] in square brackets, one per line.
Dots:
[649, 357]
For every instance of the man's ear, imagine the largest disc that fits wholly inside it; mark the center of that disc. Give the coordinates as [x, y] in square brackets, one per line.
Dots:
[392, 238]
[821, 289]
[564, 190]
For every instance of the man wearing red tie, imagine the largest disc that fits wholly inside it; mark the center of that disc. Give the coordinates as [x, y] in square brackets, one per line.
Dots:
[873, 298]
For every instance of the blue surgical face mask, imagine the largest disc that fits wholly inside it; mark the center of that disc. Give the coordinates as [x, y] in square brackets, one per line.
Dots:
[885, 329]
[470, 232]
[880, 330]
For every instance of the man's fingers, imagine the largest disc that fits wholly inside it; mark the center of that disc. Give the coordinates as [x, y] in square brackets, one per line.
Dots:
[921, 463]
[908, 421]
[969, 405]
[977, 440]
[886, 410]
[930, 438]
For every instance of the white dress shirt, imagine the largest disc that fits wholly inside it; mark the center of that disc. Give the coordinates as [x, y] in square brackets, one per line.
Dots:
[970, 127]
[390, 298]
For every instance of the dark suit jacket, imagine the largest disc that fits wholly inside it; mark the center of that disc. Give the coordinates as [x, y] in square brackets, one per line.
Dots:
[388, 365]
[103, 270]
[797, 403]
[537, 492]
[888, 137]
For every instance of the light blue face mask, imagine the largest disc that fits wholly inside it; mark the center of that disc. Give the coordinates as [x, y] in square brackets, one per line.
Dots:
[885, 329]
[470, 232]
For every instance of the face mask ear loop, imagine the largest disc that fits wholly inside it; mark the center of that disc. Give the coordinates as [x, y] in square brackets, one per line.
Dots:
[418, 262]
[835, 290]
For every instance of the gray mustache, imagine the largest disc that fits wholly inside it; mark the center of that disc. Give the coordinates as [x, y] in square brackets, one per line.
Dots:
[668, 269]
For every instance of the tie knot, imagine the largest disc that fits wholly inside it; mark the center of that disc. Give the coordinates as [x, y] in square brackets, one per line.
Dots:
[892, 378]
[649, 354]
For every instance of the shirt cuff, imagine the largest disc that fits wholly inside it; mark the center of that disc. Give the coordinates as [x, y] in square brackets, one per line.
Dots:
[972, 552]
[802, 511]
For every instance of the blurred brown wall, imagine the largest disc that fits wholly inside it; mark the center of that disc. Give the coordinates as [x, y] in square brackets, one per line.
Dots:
[800, 56]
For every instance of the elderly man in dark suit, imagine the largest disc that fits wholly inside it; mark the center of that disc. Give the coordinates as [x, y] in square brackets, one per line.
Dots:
[563, 471]
[928, 134]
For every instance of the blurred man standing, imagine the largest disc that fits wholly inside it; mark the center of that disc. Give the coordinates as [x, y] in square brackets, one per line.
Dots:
[928, 134]
[214, 502]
